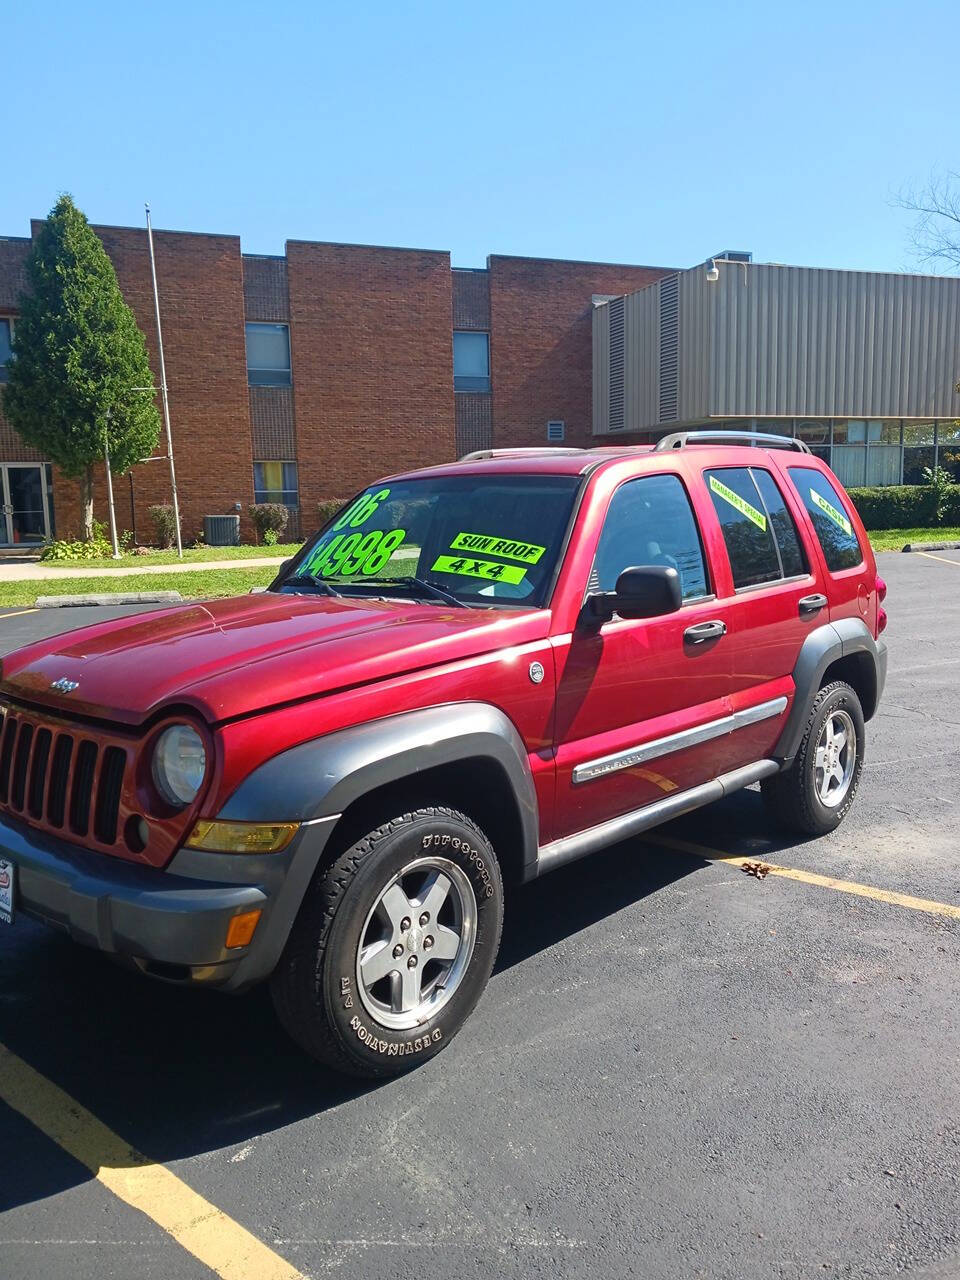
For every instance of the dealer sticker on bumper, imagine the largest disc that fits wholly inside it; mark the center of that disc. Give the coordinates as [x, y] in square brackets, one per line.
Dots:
[6, 891]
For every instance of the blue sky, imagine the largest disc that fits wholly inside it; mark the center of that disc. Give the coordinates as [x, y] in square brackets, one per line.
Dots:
[621, 132]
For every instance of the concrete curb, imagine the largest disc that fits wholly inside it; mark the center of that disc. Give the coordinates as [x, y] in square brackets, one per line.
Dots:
[110, 597]
[932, 546]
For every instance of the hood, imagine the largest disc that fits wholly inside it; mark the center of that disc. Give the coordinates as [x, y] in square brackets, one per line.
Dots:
[227, 658]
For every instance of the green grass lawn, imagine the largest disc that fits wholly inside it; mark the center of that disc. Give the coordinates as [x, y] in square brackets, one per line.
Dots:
[191, 556]
[896, 539]
[212, 582]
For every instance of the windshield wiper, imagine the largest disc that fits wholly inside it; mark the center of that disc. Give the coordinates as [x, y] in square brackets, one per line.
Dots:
[429, 588]
[320, 583]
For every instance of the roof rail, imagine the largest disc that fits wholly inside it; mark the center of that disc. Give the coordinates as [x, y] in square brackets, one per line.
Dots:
[534, 451]
[766, 440]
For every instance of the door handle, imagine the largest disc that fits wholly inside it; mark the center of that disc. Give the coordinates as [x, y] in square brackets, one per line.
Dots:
[700, 632]
[813, 604]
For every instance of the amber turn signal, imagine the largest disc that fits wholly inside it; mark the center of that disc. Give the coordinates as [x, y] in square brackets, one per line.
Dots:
[241, 837]
[241, 927]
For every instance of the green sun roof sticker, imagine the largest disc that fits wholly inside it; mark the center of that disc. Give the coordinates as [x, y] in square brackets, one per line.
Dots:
[493, 545]
[832, 513]
[468, 567]
[740, 504]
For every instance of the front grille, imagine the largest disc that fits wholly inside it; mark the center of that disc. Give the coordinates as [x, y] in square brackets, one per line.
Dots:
[56, 776]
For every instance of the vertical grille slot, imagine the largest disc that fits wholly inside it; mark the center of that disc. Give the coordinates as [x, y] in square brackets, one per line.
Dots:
[18, 786]
[108, 795]
[59, 774]
[6, 755]
[669, 348]
[81, 792]
[38, 773]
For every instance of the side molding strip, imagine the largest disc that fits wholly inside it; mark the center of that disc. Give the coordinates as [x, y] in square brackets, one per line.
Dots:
[631, 756]
[569, 848]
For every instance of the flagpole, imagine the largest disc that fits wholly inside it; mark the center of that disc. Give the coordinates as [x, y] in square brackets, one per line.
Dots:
[163, 387]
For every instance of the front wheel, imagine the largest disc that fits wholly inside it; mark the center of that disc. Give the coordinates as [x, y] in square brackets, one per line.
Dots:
[816, 793]
[393, 945]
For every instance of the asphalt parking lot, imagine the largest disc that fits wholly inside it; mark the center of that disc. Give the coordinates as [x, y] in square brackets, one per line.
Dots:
[678, 1070]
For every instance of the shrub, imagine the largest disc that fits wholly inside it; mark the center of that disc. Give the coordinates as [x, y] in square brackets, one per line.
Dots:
[98, 548]
[270, 537]
[269, 517]
[327, 508]
[164, 524]
[907, 506]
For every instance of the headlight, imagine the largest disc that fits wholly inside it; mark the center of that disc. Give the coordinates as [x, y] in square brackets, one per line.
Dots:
[179, 763]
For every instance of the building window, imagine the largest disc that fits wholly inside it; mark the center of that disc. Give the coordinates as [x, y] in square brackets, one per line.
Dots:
[276, 482]
[471, 360]
[268, 355]
[6, 345]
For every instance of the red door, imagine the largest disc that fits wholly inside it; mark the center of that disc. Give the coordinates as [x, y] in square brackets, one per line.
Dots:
[627, 689]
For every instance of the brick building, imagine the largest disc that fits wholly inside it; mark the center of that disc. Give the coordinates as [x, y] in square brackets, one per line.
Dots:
[302, 377]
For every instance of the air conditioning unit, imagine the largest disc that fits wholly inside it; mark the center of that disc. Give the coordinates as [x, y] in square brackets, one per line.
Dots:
[555, 431]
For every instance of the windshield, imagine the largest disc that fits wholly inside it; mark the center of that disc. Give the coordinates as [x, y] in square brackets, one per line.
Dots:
[480, 540]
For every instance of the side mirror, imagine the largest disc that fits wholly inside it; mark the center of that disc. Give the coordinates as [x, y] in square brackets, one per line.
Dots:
[643, 591]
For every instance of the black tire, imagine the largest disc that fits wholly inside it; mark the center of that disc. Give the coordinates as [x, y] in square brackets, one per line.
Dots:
[316, 988]
[791, 797]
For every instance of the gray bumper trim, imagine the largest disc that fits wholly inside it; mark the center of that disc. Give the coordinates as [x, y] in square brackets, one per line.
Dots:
[178, 916]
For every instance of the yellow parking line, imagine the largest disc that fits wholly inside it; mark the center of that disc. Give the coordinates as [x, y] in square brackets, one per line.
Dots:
[17, 613]
[930, 556]
[811, 877]
[194, 1223]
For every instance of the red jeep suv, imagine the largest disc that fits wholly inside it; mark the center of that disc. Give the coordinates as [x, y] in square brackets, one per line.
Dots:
[474, 673]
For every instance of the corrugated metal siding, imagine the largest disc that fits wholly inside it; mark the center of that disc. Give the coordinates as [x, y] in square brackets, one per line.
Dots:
[616, 360]
[797, 341]
[642, 359]
[669, 348]
[601, 369]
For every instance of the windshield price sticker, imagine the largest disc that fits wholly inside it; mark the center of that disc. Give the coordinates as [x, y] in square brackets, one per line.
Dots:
[836, 516]
[509, 548]
[351, 553]
[360, 511]
[741, 504]
[467, 567]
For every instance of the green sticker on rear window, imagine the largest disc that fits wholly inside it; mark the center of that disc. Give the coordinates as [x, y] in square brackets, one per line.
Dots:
[491, 545]
[836, 516]
[741, 504]
[468, 567]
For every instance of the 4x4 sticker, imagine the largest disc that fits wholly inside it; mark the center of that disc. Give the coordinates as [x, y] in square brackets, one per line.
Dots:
[509, 548]
[836, 516]
[741, 504]
[467, 567]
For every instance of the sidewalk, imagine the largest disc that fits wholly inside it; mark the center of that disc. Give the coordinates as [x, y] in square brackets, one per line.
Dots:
[35, 572]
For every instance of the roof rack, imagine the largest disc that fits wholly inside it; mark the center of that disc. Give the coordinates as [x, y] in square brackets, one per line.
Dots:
[479, 455]
[766, 440]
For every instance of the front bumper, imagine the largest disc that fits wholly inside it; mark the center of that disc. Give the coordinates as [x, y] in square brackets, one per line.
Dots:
[170, 923]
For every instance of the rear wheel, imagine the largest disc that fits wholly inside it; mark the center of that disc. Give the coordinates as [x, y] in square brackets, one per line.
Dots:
[393, 944]
[815, 794]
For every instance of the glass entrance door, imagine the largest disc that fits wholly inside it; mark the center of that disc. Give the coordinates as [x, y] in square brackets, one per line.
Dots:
[26, 517]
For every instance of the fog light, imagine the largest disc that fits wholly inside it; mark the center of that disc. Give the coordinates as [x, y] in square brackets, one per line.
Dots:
[241, 928]
[242, 837]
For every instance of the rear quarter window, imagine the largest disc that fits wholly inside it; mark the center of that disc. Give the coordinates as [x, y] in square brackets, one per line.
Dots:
[829, 517]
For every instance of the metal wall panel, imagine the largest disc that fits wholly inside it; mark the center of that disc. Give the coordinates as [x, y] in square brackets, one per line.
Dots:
[601, 369]
[803, 342]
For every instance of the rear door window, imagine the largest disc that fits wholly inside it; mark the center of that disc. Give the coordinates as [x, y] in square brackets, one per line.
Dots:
[746, 526]
[829, 517]
[792, 560]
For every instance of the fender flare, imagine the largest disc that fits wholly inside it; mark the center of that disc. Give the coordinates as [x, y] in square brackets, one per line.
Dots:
[823, 646]
[321, 778]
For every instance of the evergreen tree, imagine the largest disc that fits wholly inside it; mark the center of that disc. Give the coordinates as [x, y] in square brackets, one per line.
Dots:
[78, 355]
